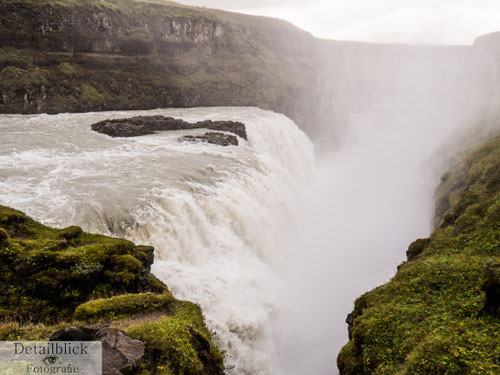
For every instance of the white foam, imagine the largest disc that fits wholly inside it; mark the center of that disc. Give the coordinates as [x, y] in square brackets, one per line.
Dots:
[216, 215]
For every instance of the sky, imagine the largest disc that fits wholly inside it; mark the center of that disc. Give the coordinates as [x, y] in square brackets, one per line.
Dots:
[386, 21]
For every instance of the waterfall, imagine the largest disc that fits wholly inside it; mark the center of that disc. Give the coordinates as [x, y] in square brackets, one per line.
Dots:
[217, 216]
[273, 244]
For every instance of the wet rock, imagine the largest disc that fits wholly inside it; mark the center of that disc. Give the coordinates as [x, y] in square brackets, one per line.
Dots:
[215, 138]
[417, 247]
[121, 354]
[143, 125]
[490, 284]
[4, 238]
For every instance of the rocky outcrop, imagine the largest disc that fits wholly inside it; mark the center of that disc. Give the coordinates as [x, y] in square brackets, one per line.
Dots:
[215, 138]
[440, 313]
[51, 278]
[142, 125]
[67, 268]
[121, 354]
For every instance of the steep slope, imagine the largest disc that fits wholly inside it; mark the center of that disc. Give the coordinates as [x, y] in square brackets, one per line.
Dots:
[137, 54]
[440, 313]
[51, 278]
[73, 56]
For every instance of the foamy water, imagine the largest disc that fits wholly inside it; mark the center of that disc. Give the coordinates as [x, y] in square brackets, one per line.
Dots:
[217, 216]
[273, 245]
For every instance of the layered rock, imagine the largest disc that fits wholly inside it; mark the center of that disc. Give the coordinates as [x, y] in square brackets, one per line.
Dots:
[125, 54]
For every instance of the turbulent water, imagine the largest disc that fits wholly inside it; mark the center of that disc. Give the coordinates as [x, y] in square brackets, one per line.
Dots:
[273, 245]
[216, 215]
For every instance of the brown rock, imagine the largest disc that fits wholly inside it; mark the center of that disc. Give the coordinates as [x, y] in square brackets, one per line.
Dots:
[121, 354]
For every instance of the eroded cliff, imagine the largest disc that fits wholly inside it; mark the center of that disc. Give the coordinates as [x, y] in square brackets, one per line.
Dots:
[68, 55]
[126, 54]
[440, 313]
[52, 279]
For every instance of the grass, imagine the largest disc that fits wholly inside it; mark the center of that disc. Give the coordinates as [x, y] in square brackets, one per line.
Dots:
[437, 315]
[123, 306]
[53, 278]
[47, 272]
[173, 342]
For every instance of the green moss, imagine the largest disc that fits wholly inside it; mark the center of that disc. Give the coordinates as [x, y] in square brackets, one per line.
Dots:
[417, 247]
[89, 94]
[13, 331]
[127, 261]
[49, 272]
[52, 278]
[439, 313]
[4, 238]
[178, 344]
[122, 306]
[68, 69]
[13, 78]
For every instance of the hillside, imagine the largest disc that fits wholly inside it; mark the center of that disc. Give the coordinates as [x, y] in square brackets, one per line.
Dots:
[68, 55]
[93, 55]
[440, 313]
[52, 279]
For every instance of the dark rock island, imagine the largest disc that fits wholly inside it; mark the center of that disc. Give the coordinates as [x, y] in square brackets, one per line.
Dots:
[143, 125]
[215, 138]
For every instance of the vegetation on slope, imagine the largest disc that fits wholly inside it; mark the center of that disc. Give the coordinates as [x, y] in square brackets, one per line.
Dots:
[52, 278]
[440, 313]
[68, 55]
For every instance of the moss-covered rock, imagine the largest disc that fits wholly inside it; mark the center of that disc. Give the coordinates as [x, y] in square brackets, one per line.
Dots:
[439, 313]
[47, 272]
[126, 305]
[53, 278]
[174, 347]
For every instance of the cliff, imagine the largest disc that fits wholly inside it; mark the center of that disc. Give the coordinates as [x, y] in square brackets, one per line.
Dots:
[440, 313]
[72, 56]
[60, 283]
[126, 54]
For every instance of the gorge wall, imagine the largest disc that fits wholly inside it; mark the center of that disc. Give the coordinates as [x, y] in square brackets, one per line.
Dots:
[123, 54]
[67, 56]
[440, 313]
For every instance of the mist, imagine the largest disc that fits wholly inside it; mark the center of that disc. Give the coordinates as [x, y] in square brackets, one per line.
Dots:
[399, 116]
[382, 21]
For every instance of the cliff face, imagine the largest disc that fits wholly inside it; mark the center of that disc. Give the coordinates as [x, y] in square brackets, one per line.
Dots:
[124, 54]
[130, 54]
[52, 278]
[440, 314]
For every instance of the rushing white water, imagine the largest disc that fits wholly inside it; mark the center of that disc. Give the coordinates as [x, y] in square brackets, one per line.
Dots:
[217, 216]
[273, 246]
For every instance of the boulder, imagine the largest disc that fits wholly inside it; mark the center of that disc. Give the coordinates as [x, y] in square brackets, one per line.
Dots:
[121, 354]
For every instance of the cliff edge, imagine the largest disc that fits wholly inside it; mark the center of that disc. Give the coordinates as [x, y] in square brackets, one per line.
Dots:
[65, 284]
[77, 56]
[440, 313]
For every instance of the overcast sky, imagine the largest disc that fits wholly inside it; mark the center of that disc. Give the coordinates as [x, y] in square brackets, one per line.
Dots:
[406, 21]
